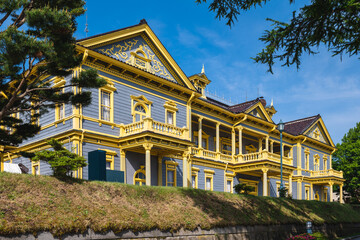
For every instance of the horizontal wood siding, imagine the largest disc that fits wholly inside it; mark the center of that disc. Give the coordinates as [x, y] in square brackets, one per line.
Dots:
[134, 161]
[218, 178]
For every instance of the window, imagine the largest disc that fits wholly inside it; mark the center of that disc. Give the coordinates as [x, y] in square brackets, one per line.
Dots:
[209, 174]
[253, 184]
[250, 148]
[170, 112]
[325, 158]
[307, 192]
[171, 173]
[59, 108]
[140, 113]
[110, 155]
[140, 108]
[229, 182]
[325, 195]
[106, 102]
[35, 168]
[226, 146]
[204, 138]
[105, 106]
[316, 162]
[194, 177]
[307, 157]
[139, 177]
[317, 198]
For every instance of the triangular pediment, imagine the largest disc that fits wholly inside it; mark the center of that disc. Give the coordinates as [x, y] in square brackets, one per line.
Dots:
[319, 132]
[258, 110]
[138, 46]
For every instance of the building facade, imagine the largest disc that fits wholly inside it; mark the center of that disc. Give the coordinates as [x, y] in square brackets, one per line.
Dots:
[158, 127]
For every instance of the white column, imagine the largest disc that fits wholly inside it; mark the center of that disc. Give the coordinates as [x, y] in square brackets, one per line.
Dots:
[267, 144]
[331, 191]
[265, 187]
[311, 191]
[200, 132]
[271, 146]
[185, 169]
[148, 147]
[123, 163]
[290, 184]
[341, 194]
[217, 137]
[240, 140]
[299, 188]
[233, 142]
[330, 163]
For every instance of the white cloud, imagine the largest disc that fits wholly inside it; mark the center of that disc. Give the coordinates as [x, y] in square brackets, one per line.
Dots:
[185, 37]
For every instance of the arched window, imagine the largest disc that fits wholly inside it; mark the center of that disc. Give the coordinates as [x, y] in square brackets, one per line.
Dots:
[317, 198]
[139, 177]
[316, 162]
[140, 113]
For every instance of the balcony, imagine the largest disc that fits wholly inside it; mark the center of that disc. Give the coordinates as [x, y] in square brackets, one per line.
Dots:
[326, 173]
[148, 124]
[244, 158]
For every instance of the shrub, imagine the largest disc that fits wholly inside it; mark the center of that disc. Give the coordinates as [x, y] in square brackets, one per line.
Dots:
[243, 188]
[304, 236]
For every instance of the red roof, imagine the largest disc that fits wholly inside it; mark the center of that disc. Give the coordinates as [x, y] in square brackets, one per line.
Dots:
[299, 126]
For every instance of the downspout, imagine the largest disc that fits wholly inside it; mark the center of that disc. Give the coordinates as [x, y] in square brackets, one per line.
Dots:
[192, 97]
[9, 157]
[240, 121]
[305, 138]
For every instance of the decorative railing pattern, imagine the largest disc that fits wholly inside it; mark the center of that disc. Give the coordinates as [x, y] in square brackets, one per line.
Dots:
[203, 153]
[252, 157]
[276, 157]
[325, 173]
[148, 124]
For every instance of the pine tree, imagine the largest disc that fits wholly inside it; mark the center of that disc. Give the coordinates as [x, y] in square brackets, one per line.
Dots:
[347, 159]
[37, 41]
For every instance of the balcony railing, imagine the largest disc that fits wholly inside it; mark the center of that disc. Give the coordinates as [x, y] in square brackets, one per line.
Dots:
[325, 173]
[148, 124]
[203, 153]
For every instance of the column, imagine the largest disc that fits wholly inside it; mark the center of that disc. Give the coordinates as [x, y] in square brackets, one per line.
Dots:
[233, 142]
[298, 156]
[240, 140]
[185, 169]
[260, 144]
[148, 147]
[200, 132]
[123, 163]
[267, 143]
[330, 163]
[160, 157]
[331, 191]
[299, 187]
[217, 137]
[265, 186]
[290, 184]
[292, 152]
[271, 146]
[1, 159]
[311, 192]
[341, 193]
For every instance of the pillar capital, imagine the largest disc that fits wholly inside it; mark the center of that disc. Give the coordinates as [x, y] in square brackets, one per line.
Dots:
[240, 128]
[200, 119]
[148, 146]
[186, 154]
[218, 124]
[264, 170]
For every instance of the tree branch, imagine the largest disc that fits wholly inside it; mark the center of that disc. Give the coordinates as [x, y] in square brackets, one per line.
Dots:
[5, 17]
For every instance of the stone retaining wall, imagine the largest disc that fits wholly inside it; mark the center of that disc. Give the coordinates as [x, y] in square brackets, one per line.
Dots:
[259, 232]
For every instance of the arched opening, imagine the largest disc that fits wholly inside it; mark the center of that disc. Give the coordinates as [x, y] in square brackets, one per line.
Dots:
[139, 177]
[140, 112]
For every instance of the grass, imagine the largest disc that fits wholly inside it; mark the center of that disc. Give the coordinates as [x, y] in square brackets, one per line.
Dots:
[30, 204]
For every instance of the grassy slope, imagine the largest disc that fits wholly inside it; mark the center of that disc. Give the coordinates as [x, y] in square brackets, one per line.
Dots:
[31, 204]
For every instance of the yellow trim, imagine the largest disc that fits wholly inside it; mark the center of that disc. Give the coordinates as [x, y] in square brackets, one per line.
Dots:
[170, 107]
[321, 122]
[209, 171]
[33, 166]
[211, 177]
[195, 172]
[140, 180]
[316, 162]
[307, 192]
[307, 158]
[204, 136]
[263, 111]
[110, 155]
[253, 183]
[171, 166]
[231, 180]
[140, 101]
[286, 185]
[111, 95]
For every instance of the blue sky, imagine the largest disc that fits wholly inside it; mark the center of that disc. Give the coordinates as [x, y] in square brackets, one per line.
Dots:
[324, 85]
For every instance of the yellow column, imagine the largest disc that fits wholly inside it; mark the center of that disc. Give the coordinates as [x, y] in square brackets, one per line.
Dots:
[160, 157]
[331, 191]
[311, 192]
[240, 140]
[265, 187]
[123, 163]
[298, 157]
[148, 147]
[200, 132]
[260, 145]
[233, 142]
[185, 170]
[330, 163]
[267, 143]
[299, 188]
[217, 137]
[341, 193]
[271, 146]
[290, 184]
[1, 159]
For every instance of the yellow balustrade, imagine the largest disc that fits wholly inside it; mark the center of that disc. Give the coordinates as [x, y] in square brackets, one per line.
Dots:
[148, 124]
[252, 157]
[324, 173]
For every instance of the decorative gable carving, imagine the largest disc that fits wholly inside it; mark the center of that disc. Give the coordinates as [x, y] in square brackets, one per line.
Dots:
[137, 52]
[316, 133]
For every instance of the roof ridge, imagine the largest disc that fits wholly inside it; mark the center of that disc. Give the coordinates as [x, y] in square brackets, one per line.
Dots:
[239, 104]
[302, 119]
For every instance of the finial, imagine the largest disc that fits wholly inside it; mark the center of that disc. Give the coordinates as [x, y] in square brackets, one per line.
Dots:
[272, 103]
[203, 69]
[86, 24]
